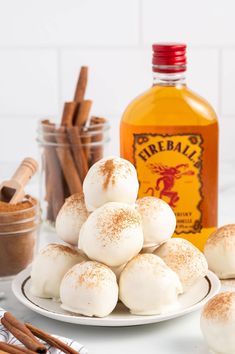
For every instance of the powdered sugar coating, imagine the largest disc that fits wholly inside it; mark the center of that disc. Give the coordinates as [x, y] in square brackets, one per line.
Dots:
[185, 259]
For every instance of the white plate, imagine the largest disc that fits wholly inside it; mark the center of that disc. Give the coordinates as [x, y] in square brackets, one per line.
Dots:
[190, 301]
[7, 337]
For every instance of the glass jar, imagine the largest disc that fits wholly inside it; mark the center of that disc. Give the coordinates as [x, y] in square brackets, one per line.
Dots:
[66, 155]
[19, 228]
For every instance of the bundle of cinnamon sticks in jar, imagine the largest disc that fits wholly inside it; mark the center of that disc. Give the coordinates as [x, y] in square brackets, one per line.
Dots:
[71, 148]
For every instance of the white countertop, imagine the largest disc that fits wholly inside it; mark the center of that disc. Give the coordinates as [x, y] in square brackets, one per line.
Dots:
[177, 336]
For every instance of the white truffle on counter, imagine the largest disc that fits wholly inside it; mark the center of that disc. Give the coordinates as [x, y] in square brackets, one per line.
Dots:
[220, 252]
[218, 323]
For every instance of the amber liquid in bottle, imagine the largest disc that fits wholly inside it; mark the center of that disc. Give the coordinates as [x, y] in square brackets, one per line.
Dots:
[171, 135]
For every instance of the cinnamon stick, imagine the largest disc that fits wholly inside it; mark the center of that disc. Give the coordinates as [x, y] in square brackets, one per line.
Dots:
[51, 340]
[14, 349]
[2, 352]
[69, 113]
[55, 196]
[78, 153]
[19, 325]
[83, 113]
[81, 85]
[97, 151]
[28, 341]
[86, 140]
[67, 163]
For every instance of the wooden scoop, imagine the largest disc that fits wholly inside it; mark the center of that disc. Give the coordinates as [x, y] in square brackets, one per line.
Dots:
[12, 191]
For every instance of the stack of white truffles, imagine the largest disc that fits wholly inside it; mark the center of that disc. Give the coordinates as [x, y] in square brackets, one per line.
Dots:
[118, 247]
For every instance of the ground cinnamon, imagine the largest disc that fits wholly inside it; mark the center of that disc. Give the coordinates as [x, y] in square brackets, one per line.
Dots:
[19, 224]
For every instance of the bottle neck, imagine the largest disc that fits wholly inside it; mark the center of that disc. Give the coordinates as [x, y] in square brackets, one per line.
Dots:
[169, 79]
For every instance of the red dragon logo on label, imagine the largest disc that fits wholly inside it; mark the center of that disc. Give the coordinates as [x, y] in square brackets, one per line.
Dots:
[165, 183]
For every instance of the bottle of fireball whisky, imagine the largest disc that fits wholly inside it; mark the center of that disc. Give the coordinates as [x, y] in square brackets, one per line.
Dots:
[170, 134]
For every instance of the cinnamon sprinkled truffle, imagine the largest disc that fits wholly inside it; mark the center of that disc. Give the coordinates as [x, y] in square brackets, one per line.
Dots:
[220, 250]
[90, 289]
[107, 170]
[225, 233]
[158, 220]
[112, 168]
[218, 323]
[185, 259]
[220, 306]
[111, 179]
[115, 220]
[55, 249]
[93, 274]
[159, 286]
[70, 219]
[112, 234]
[49, 267]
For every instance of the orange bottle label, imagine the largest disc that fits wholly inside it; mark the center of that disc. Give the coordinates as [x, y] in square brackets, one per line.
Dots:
[169, 167]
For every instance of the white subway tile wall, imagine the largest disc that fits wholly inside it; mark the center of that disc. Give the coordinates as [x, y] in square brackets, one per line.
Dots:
[44, 43]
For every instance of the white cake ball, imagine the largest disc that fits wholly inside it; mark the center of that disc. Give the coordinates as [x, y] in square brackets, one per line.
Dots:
[111, 179]
[90, 289]
[148, 287]
[112, 234]
[70, 219]
[158, 220]
[49, 267]
[220, 252]
[185, 259]
[218, 323]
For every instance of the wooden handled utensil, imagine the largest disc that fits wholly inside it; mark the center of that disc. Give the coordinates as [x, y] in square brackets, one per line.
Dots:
[12, 191]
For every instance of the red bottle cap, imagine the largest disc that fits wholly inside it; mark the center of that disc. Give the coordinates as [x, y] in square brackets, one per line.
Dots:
[169, 57]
